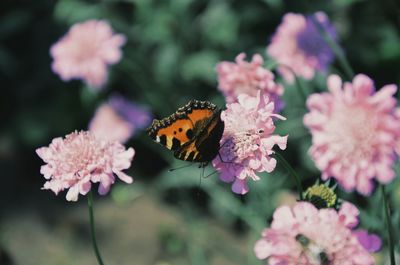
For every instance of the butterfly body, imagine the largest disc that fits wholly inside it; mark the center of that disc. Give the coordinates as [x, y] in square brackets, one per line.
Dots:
[193, 132]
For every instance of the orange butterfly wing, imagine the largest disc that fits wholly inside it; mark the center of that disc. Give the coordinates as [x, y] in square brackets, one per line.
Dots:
[182, 130]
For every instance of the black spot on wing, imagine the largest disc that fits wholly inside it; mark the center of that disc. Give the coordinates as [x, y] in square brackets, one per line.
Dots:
[175, 144]
[189, 134]
[163, 139]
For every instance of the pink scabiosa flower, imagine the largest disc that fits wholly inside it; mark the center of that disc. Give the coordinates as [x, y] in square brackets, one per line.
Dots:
[308, 236]
[86, 51]
[248, 78]
[299, 47]
[246, 145]
[355, 131]
[118, 119]
[79, 160]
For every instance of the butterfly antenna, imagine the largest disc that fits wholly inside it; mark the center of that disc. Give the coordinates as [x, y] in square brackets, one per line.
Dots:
[185, 166]
[201, 176]
[209, 175]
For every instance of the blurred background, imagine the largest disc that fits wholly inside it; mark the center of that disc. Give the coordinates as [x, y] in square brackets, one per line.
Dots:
[164, 218]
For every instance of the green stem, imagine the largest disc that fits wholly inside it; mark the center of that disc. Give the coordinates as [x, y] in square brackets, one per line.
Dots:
[335, 48]
[388, 225]
[300, 88]
[92, 230]
[293, 172]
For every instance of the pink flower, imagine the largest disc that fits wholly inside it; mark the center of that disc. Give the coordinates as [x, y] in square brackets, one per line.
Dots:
[107, 124]
[248, 78]
[354, 132]
[308, 236]
[298, 46]
[246, 145]
[371, 242]
[118, 119]
[86, 51]
[81, 159]
[348, 214]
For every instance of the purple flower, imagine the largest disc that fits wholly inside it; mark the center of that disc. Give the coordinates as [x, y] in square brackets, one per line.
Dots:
[118, 119]
[298, 46]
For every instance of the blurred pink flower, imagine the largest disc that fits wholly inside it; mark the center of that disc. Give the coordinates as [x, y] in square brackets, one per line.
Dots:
[308, 236]
[248, 78]
[246, 145]
[108, 125]
[298, 45]
[81, 159]
[348, 214]
[118, 119]
[354, 132]
[86, 51]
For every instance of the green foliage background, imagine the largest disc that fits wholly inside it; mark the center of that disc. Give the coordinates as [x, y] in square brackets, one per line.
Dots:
[170, 56]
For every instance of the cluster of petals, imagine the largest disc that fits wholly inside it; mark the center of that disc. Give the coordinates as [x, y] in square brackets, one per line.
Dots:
[308, 236]
[80, 159]
[248, 139]
[86, 51]
[118, 119]
[355, 132]
[299, 47]
[242, 77]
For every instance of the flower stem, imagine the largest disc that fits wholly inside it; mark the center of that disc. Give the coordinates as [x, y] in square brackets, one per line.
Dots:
[92, 230]
[335, 48]
[293, 172]
[388, 225]
[300, 87]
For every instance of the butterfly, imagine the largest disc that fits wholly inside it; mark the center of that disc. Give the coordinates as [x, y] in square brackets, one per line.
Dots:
[193, 132]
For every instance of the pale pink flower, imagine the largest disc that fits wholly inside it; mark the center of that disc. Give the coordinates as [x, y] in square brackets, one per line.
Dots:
[86, 51]
[354, 132]
[248, 78]
[348, 214]
[246, 145]
[81, 159]
[298, 46]
[302, 234]
[118, 119]
[107, 124]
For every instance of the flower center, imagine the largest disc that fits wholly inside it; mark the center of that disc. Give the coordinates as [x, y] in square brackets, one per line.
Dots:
[242, 145]
[78, 154]
[352, 131]
[84, 49]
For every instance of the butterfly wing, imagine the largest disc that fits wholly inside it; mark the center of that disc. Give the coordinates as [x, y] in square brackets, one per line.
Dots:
[181, 127]
[205, 144]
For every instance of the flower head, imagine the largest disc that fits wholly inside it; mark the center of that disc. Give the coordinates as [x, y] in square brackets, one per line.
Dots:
[321, 196]
[86, 51]
[246, 145]
[299, 47]
[81, 159]
[354, 132]
[305, 235]
[248, 78]
[118, 119]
